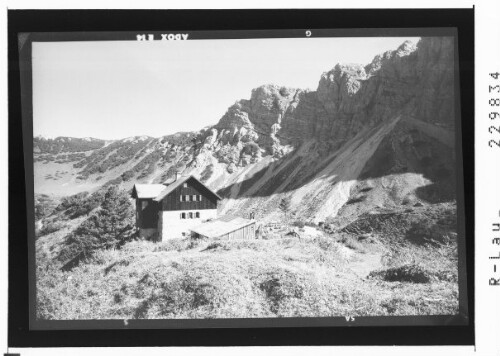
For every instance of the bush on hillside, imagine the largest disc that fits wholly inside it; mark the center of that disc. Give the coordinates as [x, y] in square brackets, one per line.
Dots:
[51, 227]
[285, 206]
[109, 227]
[421, 234]
[280, 285]
[86, 206]
[44, 206]
[127, 175]
[172, 245]
[251, 148]
[207, 173]
[407, 273]
[299, 223]
[71, 201]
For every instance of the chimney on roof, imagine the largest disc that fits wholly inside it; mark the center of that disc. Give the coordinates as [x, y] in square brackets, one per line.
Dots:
[173, 179]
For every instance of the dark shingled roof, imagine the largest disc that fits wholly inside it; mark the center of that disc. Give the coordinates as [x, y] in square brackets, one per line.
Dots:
[171, 187]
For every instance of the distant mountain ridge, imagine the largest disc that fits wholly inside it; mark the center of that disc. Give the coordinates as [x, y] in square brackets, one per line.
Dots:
[66, 144]
[371, 136]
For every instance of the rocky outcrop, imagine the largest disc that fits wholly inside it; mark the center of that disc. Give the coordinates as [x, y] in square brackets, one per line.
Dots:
[413, 80]
[387, 125]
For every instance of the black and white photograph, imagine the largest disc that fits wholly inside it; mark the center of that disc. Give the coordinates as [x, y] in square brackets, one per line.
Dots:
[307, 177]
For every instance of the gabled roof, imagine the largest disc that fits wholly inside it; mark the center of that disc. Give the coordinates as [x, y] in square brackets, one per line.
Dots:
[221, 226]
[147, 191]
[171, 187]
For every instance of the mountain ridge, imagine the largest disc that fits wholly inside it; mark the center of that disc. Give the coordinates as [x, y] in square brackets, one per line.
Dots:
[298, 144]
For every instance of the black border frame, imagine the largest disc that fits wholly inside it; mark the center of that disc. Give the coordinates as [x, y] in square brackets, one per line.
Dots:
[148, 21]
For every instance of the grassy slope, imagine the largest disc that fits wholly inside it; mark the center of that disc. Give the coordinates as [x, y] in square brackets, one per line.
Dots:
[280, 277]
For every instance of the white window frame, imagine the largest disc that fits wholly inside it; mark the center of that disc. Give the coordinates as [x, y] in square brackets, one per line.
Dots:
[185, 185]
[180, 197]
[200, 197]
[187, 197]
[193, 197]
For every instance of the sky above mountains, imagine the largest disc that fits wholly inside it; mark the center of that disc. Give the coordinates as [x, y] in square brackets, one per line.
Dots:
[113, 90]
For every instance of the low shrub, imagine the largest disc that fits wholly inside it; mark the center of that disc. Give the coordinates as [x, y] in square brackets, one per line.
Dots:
[299, 223]
[281, 285]
[421, 233]
[352, 242]
[71, 201]
[207, 173]
[215, 246]
[172, 245]
[124, 262]
[51, 227]
[44, 206]
[194, 243]
[407, 273]
[447, 276]
[326, 244]
[87, 205]
[234, 245]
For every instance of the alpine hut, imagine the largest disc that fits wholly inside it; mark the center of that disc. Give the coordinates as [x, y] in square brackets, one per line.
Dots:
[170, 210]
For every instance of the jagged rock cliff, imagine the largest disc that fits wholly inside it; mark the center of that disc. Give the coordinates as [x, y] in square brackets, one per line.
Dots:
[413, 80]
[393, 117]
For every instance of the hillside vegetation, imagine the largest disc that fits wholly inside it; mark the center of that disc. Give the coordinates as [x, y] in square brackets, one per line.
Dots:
[374, 266]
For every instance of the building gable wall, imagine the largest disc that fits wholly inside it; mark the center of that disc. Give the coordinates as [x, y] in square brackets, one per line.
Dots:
[173, 201]
[146, 213]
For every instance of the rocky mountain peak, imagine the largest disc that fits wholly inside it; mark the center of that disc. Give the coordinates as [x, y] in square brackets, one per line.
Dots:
[406, 48]
[389, 57]
[349, 97]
